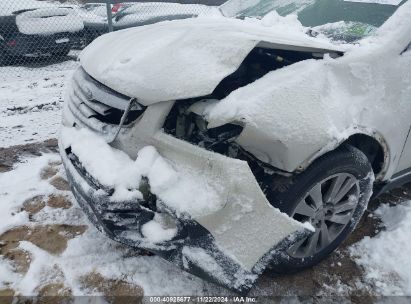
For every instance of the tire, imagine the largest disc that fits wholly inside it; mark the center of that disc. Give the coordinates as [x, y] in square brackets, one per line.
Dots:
[347, 165]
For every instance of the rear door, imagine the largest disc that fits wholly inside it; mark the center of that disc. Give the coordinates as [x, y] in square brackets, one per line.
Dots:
[405, 160]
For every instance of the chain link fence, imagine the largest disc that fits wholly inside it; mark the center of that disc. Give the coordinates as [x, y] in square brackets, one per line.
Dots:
[37, 33]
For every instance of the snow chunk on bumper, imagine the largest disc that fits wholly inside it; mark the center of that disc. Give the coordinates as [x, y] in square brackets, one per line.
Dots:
[114, 169]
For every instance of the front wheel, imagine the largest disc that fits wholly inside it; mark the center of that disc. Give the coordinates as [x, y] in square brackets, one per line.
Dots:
[332, 195]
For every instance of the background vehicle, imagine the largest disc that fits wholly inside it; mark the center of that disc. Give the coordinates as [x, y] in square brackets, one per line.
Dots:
[33, 28]
[131, 14]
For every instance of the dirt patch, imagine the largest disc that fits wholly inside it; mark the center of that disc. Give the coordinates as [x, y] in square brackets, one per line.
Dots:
[54, 290]
[54, 293]
[34, 205]
[59, 201]
[11, 155]
[60, 183]
[7, 296]
[115, 291]
[50, 171]
[51, 238]
[54, 238]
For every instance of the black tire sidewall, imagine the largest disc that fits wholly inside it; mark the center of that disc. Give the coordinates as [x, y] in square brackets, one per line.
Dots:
[346, 159]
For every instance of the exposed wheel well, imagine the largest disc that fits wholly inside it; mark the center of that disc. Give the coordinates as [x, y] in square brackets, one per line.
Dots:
[371, 148]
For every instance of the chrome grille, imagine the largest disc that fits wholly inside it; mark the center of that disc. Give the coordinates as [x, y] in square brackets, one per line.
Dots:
[96, 106]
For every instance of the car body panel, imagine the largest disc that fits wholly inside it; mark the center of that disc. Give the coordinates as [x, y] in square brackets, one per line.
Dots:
[329, 117]
[331, 100]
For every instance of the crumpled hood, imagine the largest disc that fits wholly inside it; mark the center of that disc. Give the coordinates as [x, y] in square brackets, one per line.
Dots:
[186, 58]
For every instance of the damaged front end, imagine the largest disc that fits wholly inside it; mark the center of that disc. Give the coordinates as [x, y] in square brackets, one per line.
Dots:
[221, 227]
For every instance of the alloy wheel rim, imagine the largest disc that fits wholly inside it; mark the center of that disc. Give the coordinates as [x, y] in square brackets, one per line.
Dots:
[329, 207]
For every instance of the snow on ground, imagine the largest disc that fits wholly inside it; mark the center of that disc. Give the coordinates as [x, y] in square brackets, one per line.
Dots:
[86, 253]
[386, 257]
[32, 97]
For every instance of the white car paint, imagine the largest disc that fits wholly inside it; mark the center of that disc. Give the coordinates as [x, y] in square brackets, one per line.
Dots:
[295, 113]
[317, 104]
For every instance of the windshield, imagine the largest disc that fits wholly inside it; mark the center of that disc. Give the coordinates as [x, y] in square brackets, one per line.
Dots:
[347, 20]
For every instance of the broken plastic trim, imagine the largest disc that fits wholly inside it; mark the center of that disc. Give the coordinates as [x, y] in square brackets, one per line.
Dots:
[131, 104]
[188, 126]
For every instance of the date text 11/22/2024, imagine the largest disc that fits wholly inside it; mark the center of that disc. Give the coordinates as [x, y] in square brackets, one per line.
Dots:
[202, 299]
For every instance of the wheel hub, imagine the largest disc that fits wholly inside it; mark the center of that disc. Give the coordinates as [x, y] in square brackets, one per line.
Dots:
[328, 206]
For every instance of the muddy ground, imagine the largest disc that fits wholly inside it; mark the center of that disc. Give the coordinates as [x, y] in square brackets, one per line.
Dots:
[337, 276]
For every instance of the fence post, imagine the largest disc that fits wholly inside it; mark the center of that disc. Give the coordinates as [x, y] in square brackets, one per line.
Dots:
[109, 16]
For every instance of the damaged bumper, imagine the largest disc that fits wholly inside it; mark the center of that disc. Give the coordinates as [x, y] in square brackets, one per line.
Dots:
[34, 45]
[193, 248]
[190, 247]
[225, 228]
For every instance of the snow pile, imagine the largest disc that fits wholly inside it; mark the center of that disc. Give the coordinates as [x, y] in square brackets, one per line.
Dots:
[8, 7]
[197, 52]
[386, 257]
[146, 11]
[105, 163]
[49, 21]
[157, 231]
[184, 193]
[86, 253]
[291, 92]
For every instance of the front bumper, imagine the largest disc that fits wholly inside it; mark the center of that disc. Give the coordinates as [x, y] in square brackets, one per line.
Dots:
[26, 45]
[230, 246]
[120, 222]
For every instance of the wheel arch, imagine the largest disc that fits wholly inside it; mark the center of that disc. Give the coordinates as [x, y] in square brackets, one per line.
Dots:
[375, 149]
[371, 143]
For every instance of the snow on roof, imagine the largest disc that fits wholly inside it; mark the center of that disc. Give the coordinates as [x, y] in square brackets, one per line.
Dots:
[46, 21]
[8, 7]
[149, 10]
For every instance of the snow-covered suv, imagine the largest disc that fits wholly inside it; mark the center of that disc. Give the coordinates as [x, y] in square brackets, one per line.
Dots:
[33, 27]
[229, 144]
